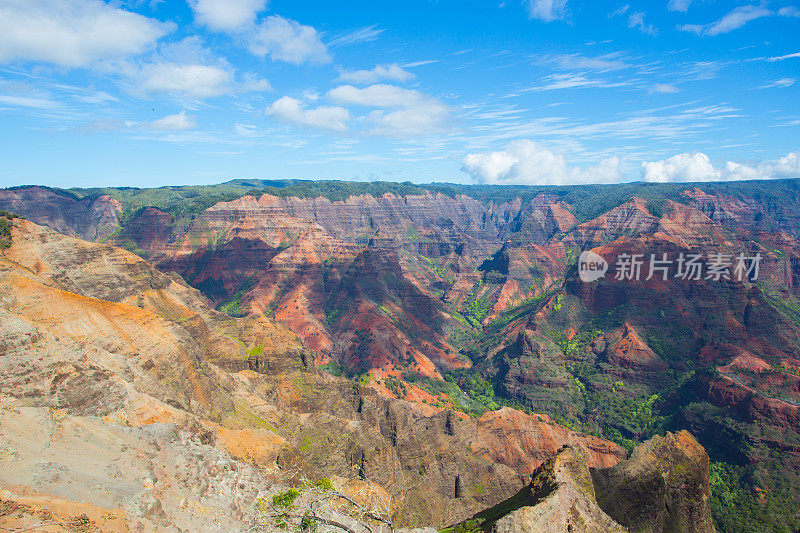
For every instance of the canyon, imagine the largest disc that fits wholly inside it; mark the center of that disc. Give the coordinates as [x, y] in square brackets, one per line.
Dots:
[437, 342]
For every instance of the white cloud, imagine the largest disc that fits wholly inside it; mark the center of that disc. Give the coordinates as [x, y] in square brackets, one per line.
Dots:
[664, 88]
[193, 80]
[679, 5]
[411, 121]
[636, 21]
[73, 33]
[405, 113]
[789, 11]
[289, 41]
[186, 69]
[698, 167]
[379, 95]
[253, 83]
[246, 130]
[682, 167]
[795, 55]
[547, 10]
[393, 72]
[528, 162]
[226, 15]
[782, 82]
[293, 111]
[178, 122]
[732, 21]
[787, 166]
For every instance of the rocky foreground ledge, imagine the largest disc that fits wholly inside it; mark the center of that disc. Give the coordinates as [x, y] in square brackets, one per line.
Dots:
[663, 487]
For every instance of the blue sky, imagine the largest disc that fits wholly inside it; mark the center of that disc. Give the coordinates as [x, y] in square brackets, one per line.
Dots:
[148, 93]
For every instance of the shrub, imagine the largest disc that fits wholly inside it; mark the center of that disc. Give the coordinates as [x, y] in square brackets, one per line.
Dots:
[6, 223]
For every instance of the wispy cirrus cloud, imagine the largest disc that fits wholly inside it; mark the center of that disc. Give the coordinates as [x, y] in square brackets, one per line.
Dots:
[733, 20]
[554, 82]
[619, 11]
[781, 82]
[604, 63]
[362, 35]
[795, 55]
[669, 125]
[28, 101]
[789, 11]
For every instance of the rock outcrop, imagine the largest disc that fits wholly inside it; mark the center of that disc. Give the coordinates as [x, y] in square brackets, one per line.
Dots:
[560, 497]
[662, 488]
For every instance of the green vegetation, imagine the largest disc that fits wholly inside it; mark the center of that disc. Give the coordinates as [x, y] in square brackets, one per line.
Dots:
[334, 368]
[475, 310]
[443, 271]
[324, 484]
[6, 223]
[477, 402]
[738, 508]
[284, 502]
[590, 201]
[658, 207]
[334, 315]
[395, 385]
[186, 200]
[530, 305]
[364, 378]
[233, 307]
[477, 388]
[571, 346]
[787, 305]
